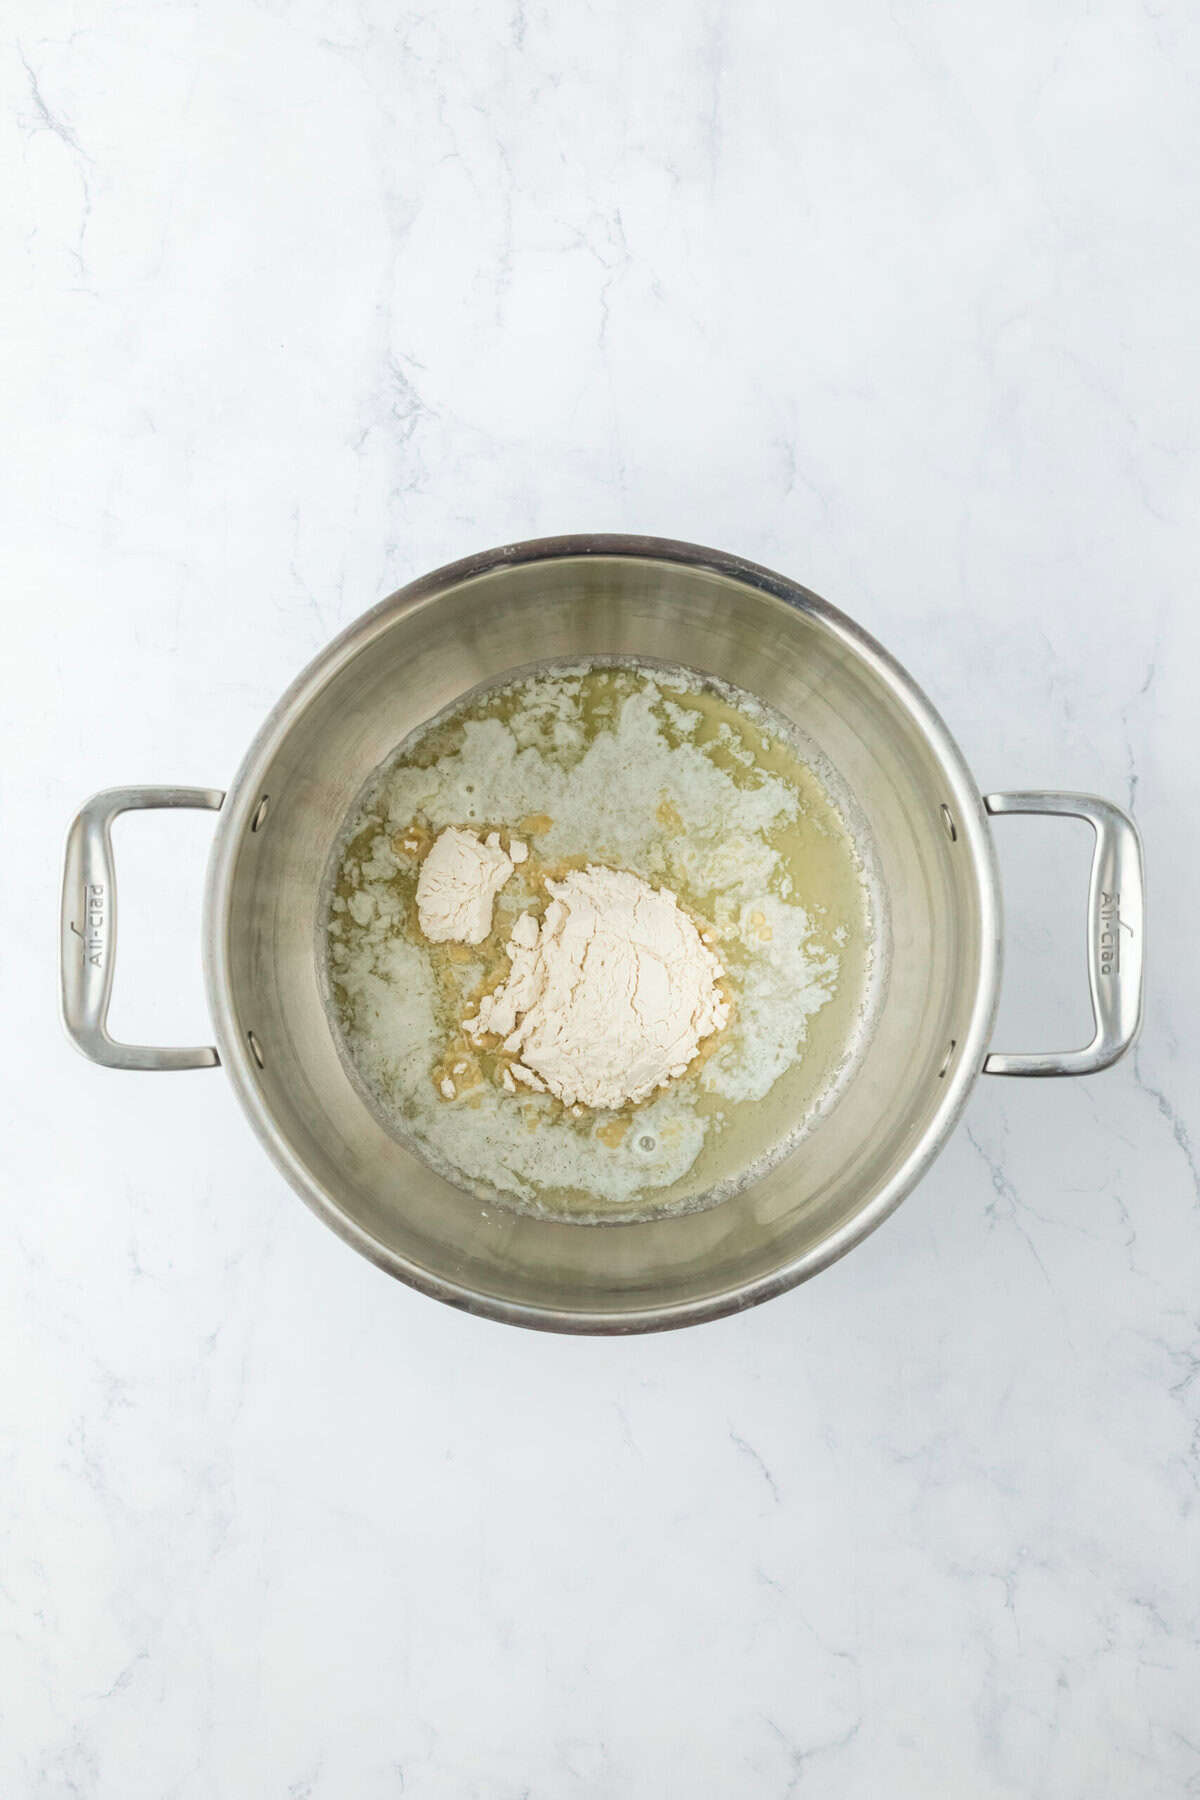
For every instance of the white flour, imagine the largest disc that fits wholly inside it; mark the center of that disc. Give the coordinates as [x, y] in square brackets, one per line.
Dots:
[611, 998]
[458, 884]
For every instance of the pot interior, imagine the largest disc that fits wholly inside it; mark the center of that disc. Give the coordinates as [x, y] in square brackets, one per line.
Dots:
[418, 654]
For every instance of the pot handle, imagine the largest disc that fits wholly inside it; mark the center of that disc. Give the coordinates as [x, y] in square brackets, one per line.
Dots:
[1115, 934]
[89, 929]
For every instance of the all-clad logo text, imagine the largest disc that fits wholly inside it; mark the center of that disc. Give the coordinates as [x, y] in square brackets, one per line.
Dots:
[93, 924]
[1111, 927]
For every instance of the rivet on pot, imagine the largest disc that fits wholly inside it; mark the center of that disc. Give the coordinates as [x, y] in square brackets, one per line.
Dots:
[950, 1051]
[948, 822]
[260, 813]
[255, 1049]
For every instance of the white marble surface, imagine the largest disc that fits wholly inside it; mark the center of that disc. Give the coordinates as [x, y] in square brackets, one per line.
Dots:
[305, 299]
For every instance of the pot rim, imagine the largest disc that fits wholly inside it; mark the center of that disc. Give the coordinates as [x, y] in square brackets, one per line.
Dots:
[242, 799]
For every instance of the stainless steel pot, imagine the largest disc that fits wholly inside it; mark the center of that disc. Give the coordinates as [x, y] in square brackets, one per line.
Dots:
[611, 596]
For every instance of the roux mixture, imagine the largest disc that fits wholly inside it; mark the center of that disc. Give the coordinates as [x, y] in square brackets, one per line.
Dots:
[596, 940]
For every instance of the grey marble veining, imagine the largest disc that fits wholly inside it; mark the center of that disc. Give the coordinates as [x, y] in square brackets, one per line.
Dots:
[305, 298]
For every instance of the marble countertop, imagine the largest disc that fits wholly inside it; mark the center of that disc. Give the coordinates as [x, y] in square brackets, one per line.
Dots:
[308, 297]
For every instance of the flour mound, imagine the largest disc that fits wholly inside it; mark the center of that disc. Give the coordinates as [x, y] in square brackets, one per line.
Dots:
[607, 998]
[459, 881]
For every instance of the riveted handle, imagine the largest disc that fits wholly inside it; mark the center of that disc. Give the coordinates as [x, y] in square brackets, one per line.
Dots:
[1115, 935]
[89, 929]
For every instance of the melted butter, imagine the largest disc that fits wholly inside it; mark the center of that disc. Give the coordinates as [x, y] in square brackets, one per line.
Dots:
[818, 868]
